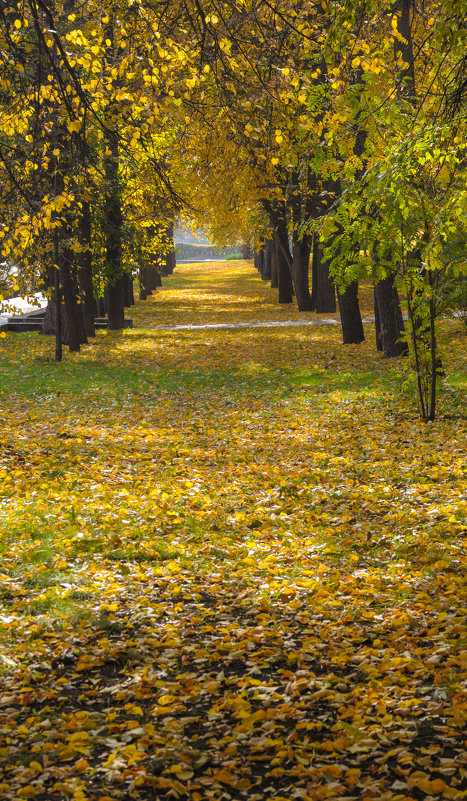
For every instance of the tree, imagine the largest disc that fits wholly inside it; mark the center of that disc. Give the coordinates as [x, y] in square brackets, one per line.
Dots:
[409, 200]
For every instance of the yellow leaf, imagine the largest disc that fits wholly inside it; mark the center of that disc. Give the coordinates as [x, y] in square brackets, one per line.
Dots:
[224, 776]
[438, 785]
[166, 700]
[29, 791]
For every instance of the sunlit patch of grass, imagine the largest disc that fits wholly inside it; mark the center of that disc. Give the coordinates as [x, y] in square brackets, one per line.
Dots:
[60, 613]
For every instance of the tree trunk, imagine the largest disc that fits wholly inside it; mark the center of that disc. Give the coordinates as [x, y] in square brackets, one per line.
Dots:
[379, 339]
[152, 275]
[283, 267]
[170, 261]
[116, 313]
[323, 289]
[267, 266]
[300, 248]
[143, 289]
[403, 48]
[351, 319]
[85, 270]
[300, 274]
[127, 290]
[277, 213]
[113, 216]
[274, 265]
[389, 314]
[101, 312]
[73, 316]
[113, 228]
[163, 270]
[261, 260]
[71, 321]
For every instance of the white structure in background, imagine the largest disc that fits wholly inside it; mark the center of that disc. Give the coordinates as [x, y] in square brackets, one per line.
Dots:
[15, 307]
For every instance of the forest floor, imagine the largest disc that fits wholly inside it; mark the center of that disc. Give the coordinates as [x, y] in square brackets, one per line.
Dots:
[231, 561]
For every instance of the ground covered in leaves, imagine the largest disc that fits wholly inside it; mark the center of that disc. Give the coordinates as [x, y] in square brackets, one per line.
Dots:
[231, 561]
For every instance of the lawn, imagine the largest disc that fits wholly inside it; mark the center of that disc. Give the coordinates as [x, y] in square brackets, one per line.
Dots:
[232, 560]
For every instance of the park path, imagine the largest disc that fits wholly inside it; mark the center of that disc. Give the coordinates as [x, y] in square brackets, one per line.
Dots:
[202, 292]
[265, 324]
[223, 296]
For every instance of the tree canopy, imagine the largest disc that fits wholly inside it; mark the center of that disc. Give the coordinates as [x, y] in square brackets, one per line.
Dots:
[331, 127]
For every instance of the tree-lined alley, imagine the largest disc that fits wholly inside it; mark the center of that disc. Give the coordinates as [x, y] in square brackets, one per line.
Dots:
[328, 130]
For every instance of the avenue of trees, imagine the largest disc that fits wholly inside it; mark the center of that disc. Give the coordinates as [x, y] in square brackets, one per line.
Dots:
[326, 131]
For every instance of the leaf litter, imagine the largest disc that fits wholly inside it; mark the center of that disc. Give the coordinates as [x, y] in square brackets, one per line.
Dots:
[232, 565]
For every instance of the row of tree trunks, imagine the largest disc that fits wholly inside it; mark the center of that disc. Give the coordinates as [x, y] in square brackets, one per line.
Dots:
[162, 263]
[289, 273]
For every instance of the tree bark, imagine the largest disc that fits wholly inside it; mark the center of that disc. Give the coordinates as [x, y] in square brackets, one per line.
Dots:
[143, 289]
[157, 275]
[170, 262]
[406, 87]
[113, 216]
[277, 214]
[283, 266]
[324, 291]
[113, 229]
[389, 315]
[260, 259]
[116, 312]
[76, 334]
[378, 336]
[85, 270]
[300, 273]
[256, 260]
[351, 319]
[101, 310]
[267, 266]
[274, 265]
[300, 249]
[153, 273]
[128, 297]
